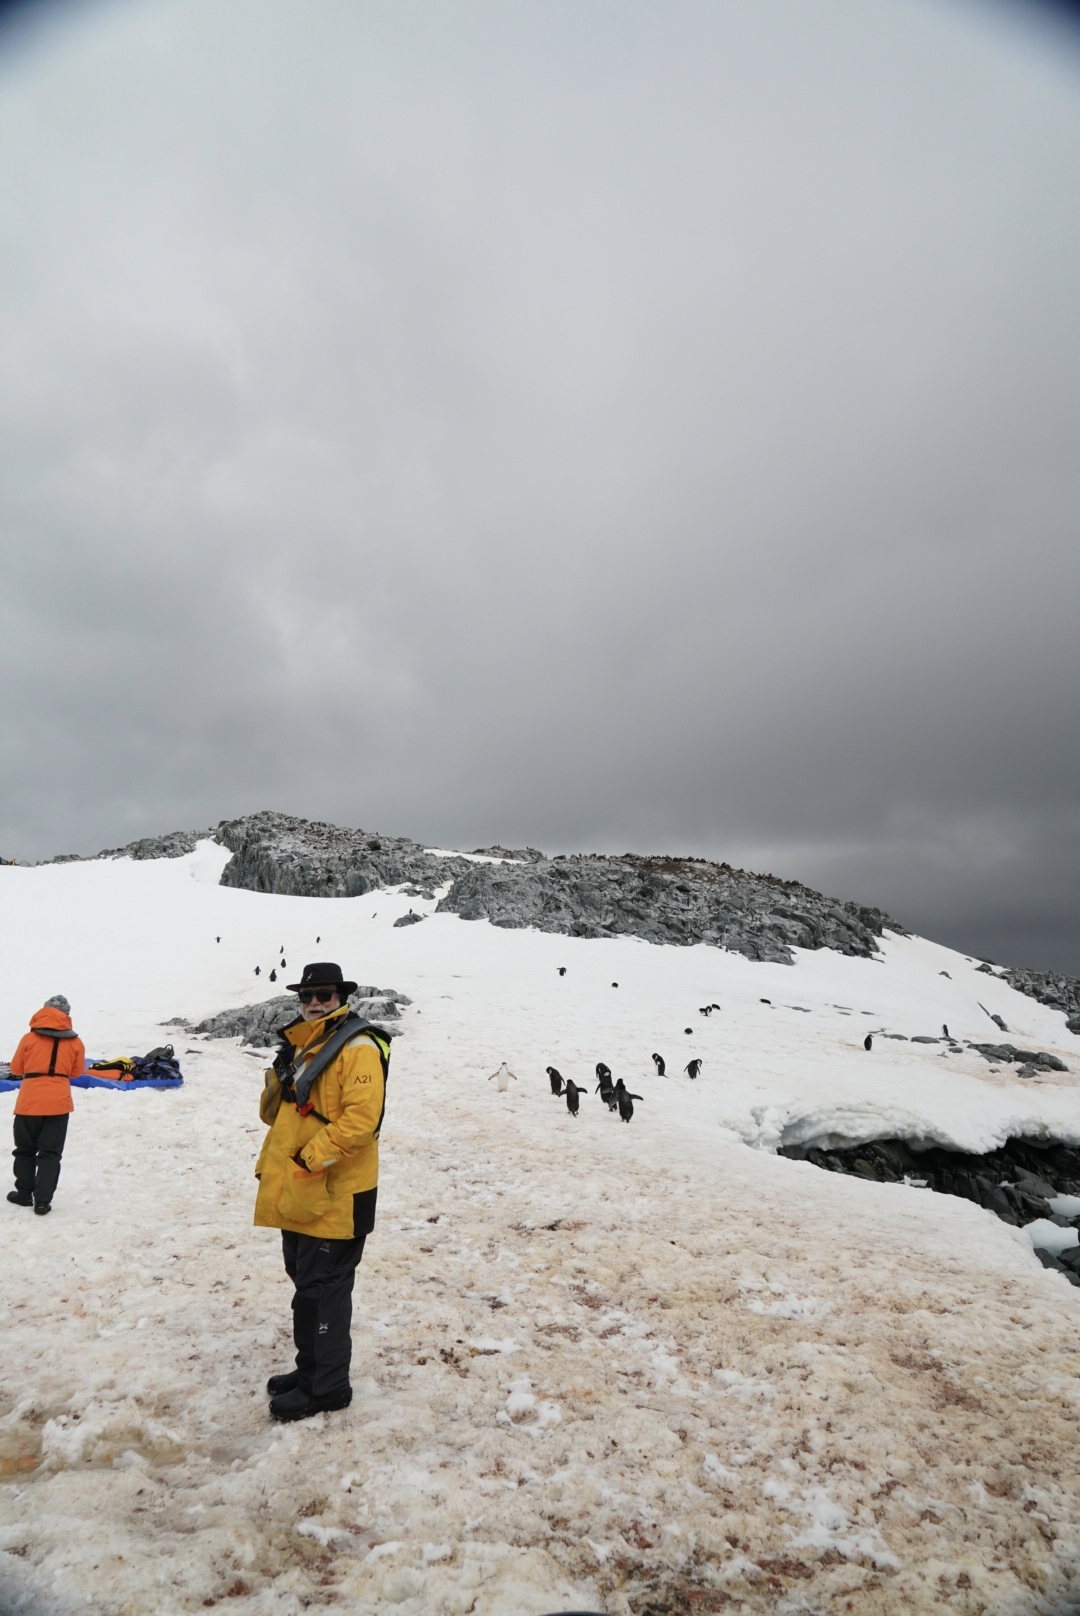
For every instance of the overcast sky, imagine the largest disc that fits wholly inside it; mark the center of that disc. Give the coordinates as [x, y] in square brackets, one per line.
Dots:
[598, 425]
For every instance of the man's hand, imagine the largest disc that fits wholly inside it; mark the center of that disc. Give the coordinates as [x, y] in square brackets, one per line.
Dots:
[300, 1162]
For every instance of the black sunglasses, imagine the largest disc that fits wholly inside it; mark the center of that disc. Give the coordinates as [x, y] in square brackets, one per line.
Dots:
[320, 995]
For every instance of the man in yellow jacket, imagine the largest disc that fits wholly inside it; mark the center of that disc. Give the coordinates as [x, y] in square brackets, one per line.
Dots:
[318, 1174]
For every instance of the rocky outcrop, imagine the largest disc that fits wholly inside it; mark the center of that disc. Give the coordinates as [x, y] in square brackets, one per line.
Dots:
[666, 900]
[1017, 1183]
[1049, 988]
[174, 844]
[277, 853]
[258, 1023]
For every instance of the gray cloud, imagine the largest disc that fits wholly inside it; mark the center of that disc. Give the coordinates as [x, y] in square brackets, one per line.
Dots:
[599, 426]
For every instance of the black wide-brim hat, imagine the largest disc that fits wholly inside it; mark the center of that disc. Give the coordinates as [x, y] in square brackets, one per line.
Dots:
[324, 975]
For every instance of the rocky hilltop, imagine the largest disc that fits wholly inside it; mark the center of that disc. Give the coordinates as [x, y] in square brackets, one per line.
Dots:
[664, 900]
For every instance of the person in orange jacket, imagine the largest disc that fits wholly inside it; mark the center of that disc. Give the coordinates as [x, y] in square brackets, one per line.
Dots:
[47, 1058]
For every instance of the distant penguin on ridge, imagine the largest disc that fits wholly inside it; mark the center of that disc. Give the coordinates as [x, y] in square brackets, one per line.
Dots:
[218, 939]
[868, 1041]
[273, 976]
[257, 971]
[562, 970]
[945, 1030]
[555, 1079]
[661, 1069]
[504, 1074]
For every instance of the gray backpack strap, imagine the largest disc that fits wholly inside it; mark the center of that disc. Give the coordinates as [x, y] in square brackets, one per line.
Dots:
[306, 1075]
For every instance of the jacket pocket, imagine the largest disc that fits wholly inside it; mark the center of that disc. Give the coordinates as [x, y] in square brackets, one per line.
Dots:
[304, 1195]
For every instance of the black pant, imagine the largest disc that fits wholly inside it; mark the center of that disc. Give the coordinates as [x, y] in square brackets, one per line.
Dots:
[39, 1145]
[323, 1272]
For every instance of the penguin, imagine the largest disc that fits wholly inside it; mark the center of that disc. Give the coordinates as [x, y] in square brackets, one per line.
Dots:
[661, 1069]
[604, 1087]
[257, 971]
[766, 1001]
[693, 1068]
[273, 976]
[318, 940]
[689, 1031]
[614, 984]
[715, 1006]
[626, 1101]
[555, 1079]
[602, 1070]
[945, 1030]
[705, 1009]
[504, 1074]
[868, 1041]
[284, 967]
[572, 1093]
[217, 939]
[562, 970]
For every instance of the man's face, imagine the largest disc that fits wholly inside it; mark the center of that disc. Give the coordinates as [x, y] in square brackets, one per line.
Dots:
[320, 1002]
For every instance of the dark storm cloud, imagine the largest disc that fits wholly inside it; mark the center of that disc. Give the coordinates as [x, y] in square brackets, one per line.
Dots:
[596, 425]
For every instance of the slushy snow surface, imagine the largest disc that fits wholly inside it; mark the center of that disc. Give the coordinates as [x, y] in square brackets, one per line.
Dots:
[649, 1368]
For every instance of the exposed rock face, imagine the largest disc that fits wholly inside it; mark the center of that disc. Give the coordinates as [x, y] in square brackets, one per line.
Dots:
[1016, 1183]
[258, 1023]
[277, 853]
[1050, 988]
[174, 844]
[665, 900]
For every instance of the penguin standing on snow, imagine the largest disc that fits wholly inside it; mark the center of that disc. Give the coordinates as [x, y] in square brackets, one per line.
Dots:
[868, 1041]
[604, 1087]
[562, 970]
[273, 976]
[625, 1100]
[504, 1074]
[705, 1009]
[555, 1079]
[693, 1068]
[572, 1093]
[257, 971]
[661, 1069]
[945, 1030]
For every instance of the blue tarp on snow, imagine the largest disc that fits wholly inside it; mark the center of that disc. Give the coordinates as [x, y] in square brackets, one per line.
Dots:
[90, 1080]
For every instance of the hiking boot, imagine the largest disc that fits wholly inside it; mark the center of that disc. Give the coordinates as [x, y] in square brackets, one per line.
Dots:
[282, 1383]
[41, 1207]
[20, 1197]
[301, 1405]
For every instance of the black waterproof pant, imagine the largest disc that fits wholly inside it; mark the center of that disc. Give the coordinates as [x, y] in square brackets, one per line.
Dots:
[39, 1145]
[323, 1272]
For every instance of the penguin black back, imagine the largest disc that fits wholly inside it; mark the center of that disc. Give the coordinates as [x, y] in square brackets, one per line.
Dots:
[572, 1097]
[626, 1103]
[868, 1041]
[693, 1068]
[661, 1069]
[555, 1079]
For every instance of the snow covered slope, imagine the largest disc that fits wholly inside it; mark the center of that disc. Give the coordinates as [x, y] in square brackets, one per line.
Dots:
[598, 1366]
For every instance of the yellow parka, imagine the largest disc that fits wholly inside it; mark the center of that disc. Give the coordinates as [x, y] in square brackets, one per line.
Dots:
[332, 1194]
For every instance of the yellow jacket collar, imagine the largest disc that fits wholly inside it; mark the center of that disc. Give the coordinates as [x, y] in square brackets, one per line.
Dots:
[305, 1033]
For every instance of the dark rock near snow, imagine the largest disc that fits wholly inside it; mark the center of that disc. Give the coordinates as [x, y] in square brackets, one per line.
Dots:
[1014, 1183]
[1036, 1060]
[174, 844]
[411, 919]
[277, 853]
[666, 900]
[259, 1023]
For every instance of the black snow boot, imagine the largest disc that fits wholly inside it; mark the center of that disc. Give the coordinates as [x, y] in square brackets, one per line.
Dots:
[41, 1207]
[301, 1405]
[282, 1383]
[20, 1198]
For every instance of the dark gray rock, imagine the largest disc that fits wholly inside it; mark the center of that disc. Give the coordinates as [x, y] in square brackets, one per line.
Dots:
[1048, 1260]
[1051, 988]
[259, 1023]
[278, 853]
[665, 900]
[411, 919]
[174, 844]
[1035, 1060]
[924, 1038]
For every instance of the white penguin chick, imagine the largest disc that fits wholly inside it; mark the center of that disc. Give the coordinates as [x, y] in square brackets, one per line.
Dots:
[504, 1074]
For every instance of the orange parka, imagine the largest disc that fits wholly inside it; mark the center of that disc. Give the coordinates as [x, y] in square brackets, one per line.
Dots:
[318, 1173]
[48, 1057]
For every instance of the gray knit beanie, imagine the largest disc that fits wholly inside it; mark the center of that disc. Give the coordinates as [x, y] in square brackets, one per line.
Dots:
[58, 1002]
